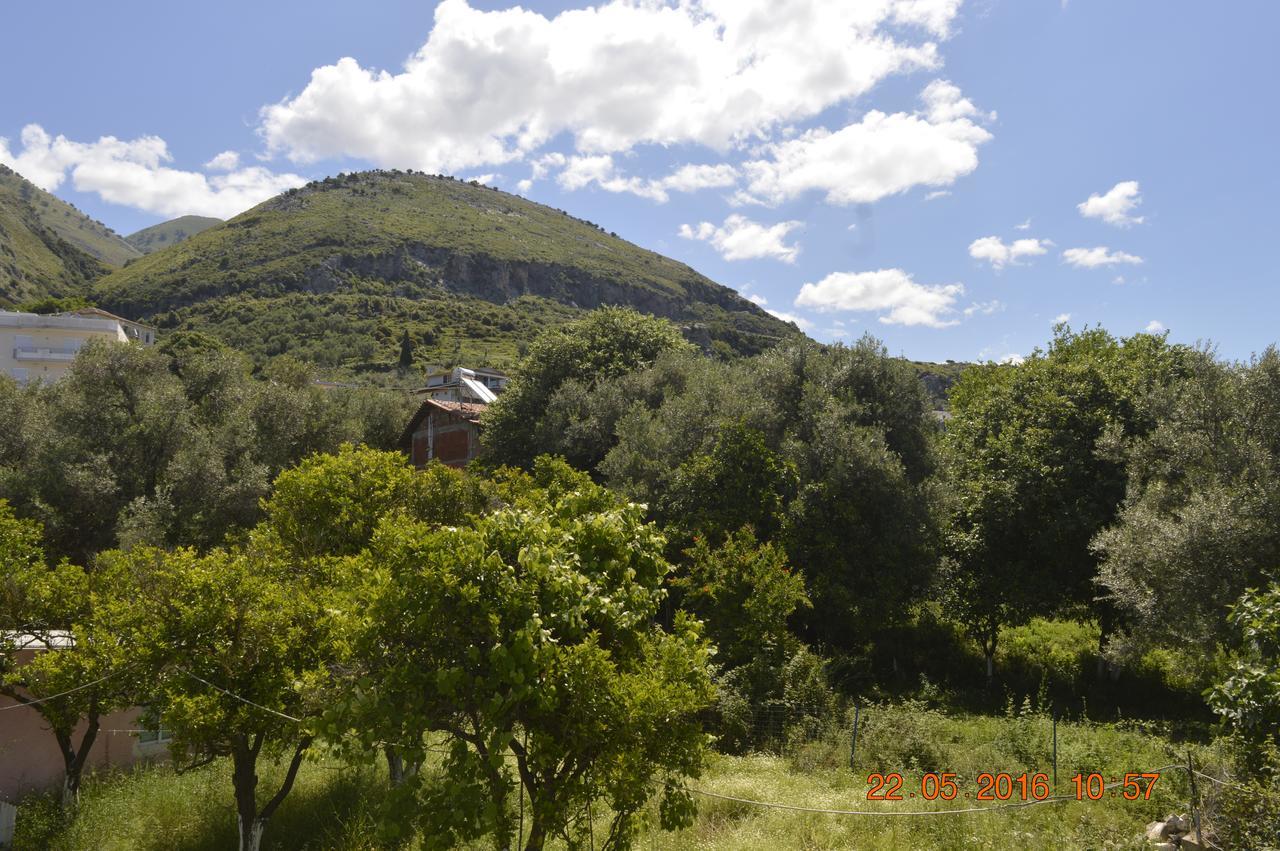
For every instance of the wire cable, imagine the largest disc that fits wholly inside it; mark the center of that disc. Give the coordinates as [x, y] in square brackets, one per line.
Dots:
[23, 702]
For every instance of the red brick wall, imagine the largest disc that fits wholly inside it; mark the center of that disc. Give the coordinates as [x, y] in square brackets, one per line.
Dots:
[452, 447]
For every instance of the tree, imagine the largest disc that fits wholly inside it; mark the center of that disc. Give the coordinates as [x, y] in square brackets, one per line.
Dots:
[1034, 475]
[75, 672]
[169, 445]
[739, 482]
[825, 450]
[239, 649]
[744, 592]
[1199, 524]
[1247, 698]
[530, 633]
[605, 344]
[406, 351]
[327, 508]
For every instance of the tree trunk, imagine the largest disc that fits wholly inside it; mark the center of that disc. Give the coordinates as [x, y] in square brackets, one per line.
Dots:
[244, 780]
[537, 837]
[74, 759]
[251, 836]
[989, 642]
[397, 769]
[395, 765]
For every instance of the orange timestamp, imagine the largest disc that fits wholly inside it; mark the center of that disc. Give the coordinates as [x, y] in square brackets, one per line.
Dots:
[1005, 787]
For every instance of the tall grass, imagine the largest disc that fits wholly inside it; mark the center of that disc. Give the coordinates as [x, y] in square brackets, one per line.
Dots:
[335, 805]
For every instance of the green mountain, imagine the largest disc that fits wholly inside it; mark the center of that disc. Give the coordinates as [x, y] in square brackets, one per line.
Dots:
[169, 233]
[69, 224]
[37, 259]
[337, 271]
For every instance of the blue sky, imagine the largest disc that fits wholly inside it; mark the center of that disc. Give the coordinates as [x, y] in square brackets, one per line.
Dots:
[861, 166]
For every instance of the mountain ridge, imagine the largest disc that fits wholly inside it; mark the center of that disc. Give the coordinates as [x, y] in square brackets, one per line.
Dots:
[36, 260]
[461, 267]
[168, 233]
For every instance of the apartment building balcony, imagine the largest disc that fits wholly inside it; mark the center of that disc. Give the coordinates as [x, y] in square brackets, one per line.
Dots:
[44, 354]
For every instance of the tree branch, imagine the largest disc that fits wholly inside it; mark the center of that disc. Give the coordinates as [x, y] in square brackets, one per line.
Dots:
[294, 764]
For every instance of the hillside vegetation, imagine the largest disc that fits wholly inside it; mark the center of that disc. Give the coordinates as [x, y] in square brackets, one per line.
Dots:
[68, 223]
[37, 261]
[169, 233]
[338, 270]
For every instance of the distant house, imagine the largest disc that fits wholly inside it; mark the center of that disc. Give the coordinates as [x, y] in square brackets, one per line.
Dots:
[41, 347]
[446, 426]
[479, 386]
[29, 757]
[445, 431]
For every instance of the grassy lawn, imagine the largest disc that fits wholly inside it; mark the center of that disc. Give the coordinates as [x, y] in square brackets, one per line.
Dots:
[335, 805]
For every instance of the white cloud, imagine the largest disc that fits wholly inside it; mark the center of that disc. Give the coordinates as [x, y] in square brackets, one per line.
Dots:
[937, 193]
[801, 323]
[998, 254]
[1092, 258]
[1118, 280]
[1155, 326]
[1060, 318]
[580, 171]
[944, 102]
[134, 174]
[487, 178]
[524, 185]
[691, 178]
[739, 238]
[984, 308]
[880, 155]
[490, 87]
[1024, 226]
[999, 354]
[1115, 206]
[225, 161]
[757, 299]
[890, 292]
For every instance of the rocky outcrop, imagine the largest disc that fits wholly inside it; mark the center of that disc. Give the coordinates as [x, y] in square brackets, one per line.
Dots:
[502, 281]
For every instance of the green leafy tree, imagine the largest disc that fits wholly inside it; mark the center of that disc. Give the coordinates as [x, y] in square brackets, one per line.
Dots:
[530, 634]
[1199, 524]
[1034, 475]
[745, 592]
[327, 508]
[239, 647]
[739, 482]
[605, 344]
[825, 450]
[1247, 698]
[406, 351]
[73, 672]
[171, 445]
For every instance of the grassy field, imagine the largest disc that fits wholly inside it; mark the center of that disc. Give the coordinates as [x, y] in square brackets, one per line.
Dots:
[336, 806]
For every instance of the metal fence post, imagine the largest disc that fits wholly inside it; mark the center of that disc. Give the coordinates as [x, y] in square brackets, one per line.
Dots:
[853, 744]
[1055, 750]
[1191, 776]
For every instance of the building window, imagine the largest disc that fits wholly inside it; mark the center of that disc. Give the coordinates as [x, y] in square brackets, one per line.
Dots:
[152, 730]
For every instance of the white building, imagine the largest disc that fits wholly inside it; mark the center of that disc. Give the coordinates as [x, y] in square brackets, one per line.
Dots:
[35, 347]
[475, 386]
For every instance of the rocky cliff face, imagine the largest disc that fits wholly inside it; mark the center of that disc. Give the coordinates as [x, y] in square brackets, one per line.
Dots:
[502, 281]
